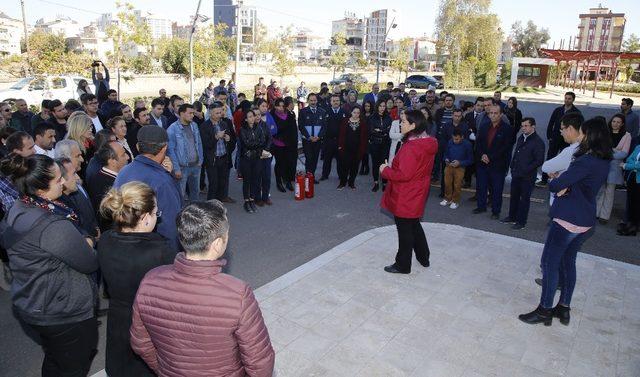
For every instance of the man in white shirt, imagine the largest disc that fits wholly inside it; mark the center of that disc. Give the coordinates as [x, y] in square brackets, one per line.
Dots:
[45, 139]
[90, 104]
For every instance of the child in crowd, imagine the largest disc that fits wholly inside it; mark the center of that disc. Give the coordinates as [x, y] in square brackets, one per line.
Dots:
[457, 156]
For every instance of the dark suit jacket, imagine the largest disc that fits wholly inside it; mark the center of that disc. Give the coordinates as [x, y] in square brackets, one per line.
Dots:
[82, 206]
[499, 147]
[369, 98]
[208, 136]
[334, 121]
[528, 156]
[163, 120]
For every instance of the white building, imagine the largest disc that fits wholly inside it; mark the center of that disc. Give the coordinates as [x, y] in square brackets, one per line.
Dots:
[306, 46]
[10, 35]
[378, 24]
[159, 27]
[61, 25]
[354, 30]
[92, 41]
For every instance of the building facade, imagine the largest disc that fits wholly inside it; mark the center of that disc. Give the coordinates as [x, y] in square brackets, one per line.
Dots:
[307, 47]
[600, 30]
[64, 26]
[10, 35]
[92, 41]
[354, 30]
[378, 24]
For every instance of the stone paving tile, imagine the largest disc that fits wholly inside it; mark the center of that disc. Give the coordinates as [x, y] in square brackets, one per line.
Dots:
[342, 315]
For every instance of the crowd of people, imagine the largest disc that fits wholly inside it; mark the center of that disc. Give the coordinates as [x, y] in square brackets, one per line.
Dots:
[86, 183]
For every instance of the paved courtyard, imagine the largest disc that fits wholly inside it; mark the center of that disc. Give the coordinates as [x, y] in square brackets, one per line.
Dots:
[341, 315]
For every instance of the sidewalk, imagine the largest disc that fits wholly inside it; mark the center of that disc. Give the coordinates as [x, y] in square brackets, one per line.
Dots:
[342, 315]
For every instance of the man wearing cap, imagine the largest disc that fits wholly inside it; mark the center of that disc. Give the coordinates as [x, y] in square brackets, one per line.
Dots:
[147, 168]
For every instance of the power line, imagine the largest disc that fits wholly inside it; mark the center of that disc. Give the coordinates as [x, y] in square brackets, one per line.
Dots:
[292, 15]
[69, 6]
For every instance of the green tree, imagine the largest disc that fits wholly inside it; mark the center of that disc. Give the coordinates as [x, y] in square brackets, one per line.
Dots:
[400, 59]
[283, 65]
[528, 40]
[339, 58]
[127, 32]
[465, 29]
[141, 64]
[632, 44]
[360, 61]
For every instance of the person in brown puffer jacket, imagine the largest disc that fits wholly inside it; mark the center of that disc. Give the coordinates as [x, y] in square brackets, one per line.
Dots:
[189, 318]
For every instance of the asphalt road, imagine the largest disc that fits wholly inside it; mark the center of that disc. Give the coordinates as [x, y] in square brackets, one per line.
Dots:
[277, 239]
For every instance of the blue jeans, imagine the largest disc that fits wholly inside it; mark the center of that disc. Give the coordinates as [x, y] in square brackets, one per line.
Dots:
[559, 263]
[489, 179]
[190, 176]
[263, 181]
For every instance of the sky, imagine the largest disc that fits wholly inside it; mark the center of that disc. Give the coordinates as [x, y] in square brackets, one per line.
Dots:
[417, 17]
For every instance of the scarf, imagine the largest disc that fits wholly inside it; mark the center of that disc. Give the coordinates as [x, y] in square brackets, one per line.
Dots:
[55, 207]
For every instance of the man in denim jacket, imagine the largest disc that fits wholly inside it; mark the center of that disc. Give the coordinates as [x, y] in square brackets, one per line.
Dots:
[185, 151]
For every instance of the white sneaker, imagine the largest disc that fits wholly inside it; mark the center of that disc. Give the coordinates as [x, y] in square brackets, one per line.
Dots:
[453, 205]
[444, 202]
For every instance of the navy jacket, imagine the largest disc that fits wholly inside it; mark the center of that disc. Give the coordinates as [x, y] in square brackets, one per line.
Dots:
[499, 148]
[553, 128]
[312, 124]
[585, 176]
[528, 156]
[164, 122]
[462, 152]
[333, 123]
[369, 97]
[145, 170]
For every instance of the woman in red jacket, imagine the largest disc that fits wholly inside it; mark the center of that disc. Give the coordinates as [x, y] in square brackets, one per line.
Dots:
[409, 177]
[352, 145]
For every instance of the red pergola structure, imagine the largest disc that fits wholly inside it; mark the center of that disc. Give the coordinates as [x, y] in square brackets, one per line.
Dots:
[586, 58]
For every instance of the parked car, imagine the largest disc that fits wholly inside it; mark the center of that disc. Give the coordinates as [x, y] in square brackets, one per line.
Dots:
[423, 82]
[355, 77]
[36, 88]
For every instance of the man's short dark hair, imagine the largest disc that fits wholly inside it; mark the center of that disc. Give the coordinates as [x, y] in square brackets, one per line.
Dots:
[628, 101]
[156, 102]
[431, 91]
[390, 83]
[349, 80]
[531, 120]
[201, 223]
[16, 141]
[450, 95]
[45, 104]
[573, 119]
[222, 81]
[136, 112]
[42, 128]
[111, 91]
[312, 95]
[182, 108]
[86, 97]
[479, 99]
[7, 131]
[457, 132]
[456, 110]
[54, 103]
[222, 93]
[106, 153]
[72, 105]
[572, 94]
[216, 105]
[175, 98]
[498, 92]
[323, 84]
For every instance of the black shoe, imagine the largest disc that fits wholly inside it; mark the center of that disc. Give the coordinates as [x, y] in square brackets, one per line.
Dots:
[541, 184]
[247, 207]
[478, 210]
[441, 195]
[280, 187]
[603, 221]
[375, 188]
[392, 269]
[562, 313]
[466, 185]
[495, 216]
[540, 315]
[316, 181]
[517, 226]
[425, 264]
[340, 187]
[539, 282]
[508, 220]
[289, 186]
[435, 180]
[353, 187]
[254, 209]
[324, 178]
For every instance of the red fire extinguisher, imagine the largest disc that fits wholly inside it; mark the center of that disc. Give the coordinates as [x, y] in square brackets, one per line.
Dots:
[308, 185]
[299, 186]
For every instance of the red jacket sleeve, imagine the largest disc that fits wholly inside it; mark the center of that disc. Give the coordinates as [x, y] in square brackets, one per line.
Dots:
[256, 351]
[405, 167]
[141, 341]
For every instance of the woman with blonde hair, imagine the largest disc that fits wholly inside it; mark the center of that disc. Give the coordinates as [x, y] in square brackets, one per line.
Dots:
[125, 255]
[80, 129]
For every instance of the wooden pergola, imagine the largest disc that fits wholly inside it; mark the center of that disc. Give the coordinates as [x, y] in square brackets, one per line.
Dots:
[586, 58]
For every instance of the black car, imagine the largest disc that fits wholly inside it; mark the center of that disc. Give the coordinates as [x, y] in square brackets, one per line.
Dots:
[354, 77]
[423, 82]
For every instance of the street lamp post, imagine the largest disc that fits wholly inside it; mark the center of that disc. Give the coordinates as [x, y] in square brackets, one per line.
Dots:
[393, 26]
[193, 30]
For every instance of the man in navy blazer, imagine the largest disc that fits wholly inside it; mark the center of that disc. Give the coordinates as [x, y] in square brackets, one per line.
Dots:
[373, 95]
[492, 145]
[312, 121]
[156, 116]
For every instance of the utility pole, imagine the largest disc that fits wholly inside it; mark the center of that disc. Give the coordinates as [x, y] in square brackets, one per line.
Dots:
[384, 40]
[193, 30]
[238, 39]
[26, 35]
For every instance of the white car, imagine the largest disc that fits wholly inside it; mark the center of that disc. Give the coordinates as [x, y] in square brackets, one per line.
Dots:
[35, 89]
